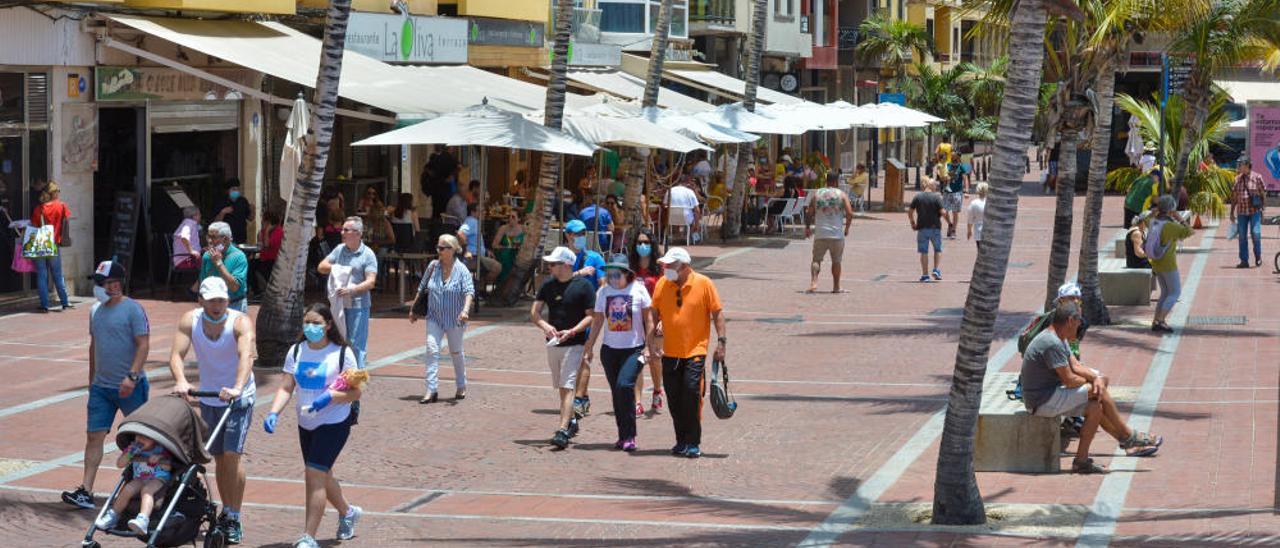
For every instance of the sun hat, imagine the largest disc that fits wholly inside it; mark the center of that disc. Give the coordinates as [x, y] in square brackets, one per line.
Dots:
[619, 261]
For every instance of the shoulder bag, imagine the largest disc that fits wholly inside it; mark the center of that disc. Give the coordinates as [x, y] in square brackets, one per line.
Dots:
[722, 401]
[65, 229]
[419, 307]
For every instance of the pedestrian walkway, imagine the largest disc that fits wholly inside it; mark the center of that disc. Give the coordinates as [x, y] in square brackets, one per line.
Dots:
[839, 397]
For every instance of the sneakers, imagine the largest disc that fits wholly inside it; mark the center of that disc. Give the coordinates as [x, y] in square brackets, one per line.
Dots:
[231, 528]
[679, 449]
[581, 407]
[656, 404]
[1161, 327]
[937, 274]
[305, 541]
[140, 524]
[573, 428]
[561, 439]
[347, 525]
[639, 410]
[924, 277]
[629, 445]
[107, 521]
[693, 452]
[80, 498]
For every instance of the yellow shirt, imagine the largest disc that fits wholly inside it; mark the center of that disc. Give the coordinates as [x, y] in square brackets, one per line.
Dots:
[944, 149]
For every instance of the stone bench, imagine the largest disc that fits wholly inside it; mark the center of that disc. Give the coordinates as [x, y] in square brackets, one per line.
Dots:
[1119, 248]
[1009, 438]
[1123, 286]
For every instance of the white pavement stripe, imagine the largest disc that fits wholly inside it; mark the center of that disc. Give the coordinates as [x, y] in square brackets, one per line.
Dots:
[847, 514]
[259, 402]
[33, 405]
[1100, 524]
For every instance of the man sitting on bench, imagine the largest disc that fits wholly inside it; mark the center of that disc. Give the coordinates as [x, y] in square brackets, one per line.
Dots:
[1054, 383]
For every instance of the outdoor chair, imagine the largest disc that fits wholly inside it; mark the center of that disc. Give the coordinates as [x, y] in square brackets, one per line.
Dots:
[676, 219]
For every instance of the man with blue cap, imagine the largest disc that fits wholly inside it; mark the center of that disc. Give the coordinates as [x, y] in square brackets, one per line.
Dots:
[589, 266]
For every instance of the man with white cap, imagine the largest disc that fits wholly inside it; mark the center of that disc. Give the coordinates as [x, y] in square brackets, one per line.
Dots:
[119, 340]
[687, 303]
[569, 301]
[223, 339]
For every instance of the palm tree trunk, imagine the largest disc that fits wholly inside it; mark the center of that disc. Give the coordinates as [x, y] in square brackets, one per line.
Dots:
[1060, 252]
[956, 500]
[633, 197]
[532, 248]
[1193, 118]
[732, 227]
[279, 320]
[1095, 310]
[636, 168]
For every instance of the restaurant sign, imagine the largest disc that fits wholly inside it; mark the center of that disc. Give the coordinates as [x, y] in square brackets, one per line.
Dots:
[502, 32]
[415, 39]
[157, 83]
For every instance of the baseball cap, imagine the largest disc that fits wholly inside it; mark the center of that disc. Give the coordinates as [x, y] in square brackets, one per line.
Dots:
[1069, 289]
[213, 287]
[561, 254]
[1143, 216]
[575, 226]
[619, 261]
[108, 270]
[786, 158]
[676, 255]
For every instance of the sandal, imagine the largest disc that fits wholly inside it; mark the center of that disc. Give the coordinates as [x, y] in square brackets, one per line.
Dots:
[1142, 444]
[1086, 466]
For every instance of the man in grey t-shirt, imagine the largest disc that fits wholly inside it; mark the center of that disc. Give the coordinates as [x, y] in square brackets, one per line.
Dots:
[830, 210]
[354, 295]
[119, 340]
[1054, 383]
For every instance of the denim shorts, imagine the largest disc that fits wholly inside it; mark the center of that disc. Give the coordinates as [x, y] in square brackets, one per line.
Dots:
[104, 402]
[235, 431]
[926, 236]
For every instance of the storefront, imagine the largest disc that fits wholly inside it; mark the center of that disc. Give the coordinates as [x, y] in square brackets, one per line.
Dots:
[24, 159]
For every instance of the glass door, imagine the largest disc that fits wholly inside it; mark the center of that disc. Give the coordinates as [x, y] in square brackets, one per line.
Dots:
[14, 207]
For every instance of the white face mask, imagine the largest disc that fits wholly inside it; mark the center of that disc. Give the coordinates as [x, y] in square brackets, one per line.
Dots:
[672, 274]
[101, 294]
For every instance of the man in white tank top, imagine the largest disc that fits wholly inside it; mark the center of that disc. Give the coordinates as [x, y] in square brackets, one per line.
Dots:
[224, 345]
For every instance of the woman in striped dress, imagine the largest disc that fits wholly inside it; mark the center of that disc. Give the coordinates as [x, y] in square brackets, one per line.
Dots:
[449, 290]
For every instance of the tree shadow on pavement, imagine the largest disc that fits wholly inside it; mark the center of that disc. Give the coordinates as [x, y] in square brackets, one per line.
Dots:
[695, 538]
[883, 405]
[689, 503]
[945, 325]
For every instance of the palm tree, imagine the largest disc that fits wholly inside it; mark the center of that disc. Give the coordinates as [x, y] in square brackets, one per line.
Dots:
[1226, 34]
[956, 499]
[280, 318]
[732, 226]
[984, 86]
[634, 195]
[895, 43]
[939, 93]
[549, 170]
[1095, 309]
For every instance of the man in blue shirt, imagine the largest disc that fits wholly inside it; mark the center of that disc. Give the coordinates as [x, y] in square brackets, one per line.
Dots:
[589, 265]
[119, 340]
[223, 259]
[471, 239]
[354, 295]
[599, 220]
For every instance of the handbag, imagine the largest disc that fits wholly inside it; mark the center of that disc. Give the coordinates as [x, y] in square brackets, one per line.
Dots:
[722, 402]
[419, 308]
[38, 241]
[1255, 201]
[21, 264]
[65, 229]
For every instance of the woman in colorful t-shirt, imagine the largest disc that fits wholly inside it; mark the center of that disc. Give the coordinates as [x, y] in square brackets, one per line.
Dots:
[622, 319]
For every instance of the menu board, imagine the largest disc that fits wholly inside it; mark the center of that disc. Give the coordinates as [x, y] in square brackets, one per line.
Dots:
[124, 229]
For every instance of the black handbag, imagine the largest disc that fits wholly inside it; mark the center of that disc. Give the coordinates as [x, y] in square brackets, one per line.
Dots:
[1256, 201]
[722, 402]
[419, 308]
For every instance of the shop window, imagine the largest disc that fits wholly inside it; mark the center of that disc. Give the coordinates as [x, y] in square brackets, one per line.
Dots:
[11, 98]
[622, 16]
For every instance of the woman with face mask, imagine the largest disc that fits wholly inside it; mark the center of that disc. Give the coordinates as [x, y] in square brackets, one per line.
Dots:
[311, 367]
[622, 318]
[643, 257]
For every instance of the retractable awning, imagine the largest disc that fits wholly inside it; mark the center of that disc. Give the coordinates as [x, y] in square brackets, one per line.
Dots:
[1243, 92]
[726, 86]
[469, 83]
[626, 86]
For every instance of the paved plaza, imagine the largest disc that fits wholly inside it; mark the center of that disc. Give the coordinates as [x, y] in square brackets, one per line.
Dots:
[835, 441]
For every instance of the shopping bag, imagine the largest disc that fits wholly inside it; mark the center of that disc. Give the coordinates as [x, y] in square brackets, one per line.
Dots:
[1233, 231]
[20, 263]
[38, 242]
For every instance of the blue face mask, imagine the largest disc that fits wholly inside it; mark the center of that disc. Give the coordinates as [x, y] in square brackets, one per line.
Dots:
[580, 242]
[313, 332]
[644, 250]
[212, 319]
[235, 195]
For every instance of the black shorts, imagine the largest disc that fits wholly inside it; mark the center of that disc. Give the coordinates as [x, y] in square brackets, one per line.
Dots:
[321, 447]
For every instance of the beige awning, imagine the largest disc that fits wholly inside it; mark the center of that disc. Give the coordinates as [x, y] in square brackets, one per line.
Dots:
[626, 86]
[726, 86]
[1243, 92]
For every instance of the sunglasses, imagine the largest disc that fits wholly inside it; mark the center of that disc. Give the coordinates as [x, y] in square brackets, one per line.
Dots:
[679, 299]
[443, 247]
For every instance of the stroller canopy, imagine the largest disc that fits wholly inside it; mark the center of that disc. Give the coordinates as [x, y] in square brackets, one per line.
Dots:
[173, 423]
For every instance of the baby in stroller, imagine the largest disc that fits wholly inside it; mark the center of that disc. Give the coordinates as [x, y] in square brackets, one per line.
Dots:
[152, 471]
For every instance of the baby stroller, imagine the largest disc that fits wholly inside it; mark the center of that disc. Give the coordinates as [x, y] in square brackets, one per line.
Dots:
[183, 508]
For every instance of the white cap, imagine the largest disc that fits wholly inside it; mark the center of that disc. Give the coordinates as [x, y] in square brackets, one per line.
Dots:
[676, 255]
[213, 287]
[1069, 289]
[561, 254]
[786, 158]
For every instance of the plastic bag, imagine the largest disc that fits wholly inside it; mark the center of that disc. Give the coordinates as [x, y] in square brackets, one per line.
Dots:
[1233, 231]
[20, 263]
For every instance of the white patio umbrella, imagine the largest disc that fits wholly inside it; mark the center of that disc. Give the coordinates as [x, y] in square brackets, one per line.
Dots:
[630, 131]
[483, 125]
[1133, 146]
[294, 147]
[893, 115]
[814, 116]
[738, 117]
[678, 121]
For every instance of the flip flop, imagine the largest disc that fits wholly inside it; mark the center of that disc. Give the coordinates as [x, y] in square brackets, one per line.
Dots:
[839, 291]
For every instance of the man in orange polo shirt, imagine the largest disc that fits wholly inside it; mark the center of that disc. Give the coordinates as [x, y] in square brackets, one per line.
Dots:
[687, 303]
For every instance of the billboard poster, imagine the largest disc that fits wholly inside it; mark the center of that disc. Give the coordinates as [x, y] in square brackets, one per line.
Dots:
[1264, 142]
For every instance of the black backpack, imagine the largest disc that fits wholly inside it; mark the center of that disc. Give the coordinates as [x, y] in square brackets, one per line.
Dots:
[722, 402]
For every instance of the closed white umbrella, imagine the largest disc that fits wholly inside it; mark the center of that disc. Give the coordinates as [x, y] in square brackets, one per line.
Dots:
[483, 125]
[630, 131]
[294, 147]
[738, 117]
[1133, 146]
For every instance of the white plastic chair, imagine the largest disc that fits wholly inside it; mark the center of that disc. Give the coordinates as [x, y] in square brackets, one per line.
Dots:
[676, 219]
[789, 214]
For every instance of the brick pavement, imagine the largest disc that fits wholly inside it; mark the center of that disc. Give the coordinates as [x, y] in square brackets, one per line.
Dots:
[831, 388]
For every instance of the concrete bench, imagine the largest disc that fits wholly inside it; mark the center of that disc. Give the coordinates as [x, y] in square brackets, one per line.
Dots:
[1123, 286]
[1009, 438]
[1119, 248]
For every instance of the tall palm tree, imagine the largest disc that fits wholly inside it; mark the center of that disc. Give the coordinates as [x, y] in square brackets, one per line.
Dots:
[896, 43]
[732, 226]
[1095, 309]
[549, 170]
[956, 499]
[280, 319]
[941, 94]
[638, 165]
[1226, 34]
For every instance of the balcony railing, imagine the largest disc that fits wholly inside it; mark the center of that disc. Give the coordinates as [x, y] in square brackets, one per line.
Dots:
[715, 12]
[586, 25]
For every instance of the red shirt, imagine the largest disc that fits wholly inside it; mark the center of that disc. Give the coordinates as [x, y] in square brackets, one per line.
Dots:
[270, 242]
[650, 278]
[51, 213]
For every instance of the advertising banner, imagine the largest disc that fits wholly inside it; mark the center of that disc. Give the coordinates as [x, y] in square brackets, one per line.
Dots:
[1264, 142]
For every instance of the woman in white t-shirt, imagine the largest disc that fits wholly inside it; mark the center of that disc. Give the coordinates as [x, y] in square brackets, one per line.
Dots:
[622, 319]
[977, 209]
[325, 416]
